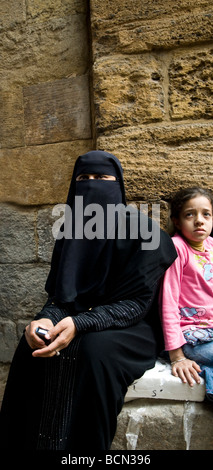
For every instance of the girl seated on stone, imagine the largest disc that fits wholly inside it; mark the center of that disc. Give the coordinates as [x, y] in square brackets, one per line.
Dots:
[187, 292]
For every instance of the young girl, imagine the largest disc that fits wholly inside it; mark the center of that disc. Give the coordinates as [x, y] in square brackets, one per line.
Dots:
[187, 291]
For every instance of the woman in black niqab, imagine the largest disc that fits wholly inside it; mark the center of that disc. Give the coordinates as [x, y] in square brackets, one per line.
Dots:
[103, 288]
[80, 266]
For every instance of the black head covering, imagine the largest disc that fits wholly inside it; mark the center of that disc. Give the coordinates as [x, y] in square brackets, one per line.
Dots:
[88, 272]
[96, 162]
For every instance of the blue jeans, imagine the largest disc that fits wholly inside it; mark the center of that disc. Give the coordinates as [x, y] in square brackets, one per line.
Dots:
[203, 355]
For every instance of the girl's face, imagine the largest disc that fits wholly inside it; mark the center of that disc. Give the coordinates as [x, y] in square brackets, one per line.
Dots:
[195, 219]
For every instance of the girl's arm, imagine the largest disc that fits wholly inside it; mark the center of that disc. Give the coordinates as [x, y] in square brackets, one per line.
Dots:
[169, 304]
[174, 339]
[184, 368]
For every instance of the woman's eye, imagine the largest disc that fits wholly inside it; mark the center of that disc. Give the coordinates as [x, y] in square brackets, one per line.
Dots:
[101, 177]
[82, 177]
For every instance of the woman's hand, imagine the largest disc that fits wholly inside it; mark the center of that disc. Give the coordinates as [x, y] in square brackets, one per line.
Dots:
[60, 335]
[32, 338]
[187, 370]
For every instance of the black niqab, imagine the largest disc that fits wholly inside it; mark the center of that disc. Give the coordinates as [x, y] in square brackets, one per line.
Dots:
[87, 382]
[89, 272]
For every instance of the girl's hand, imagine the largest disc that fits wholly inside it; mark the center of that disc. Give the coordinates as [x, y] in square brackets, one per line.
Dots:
[187, 370]
[60, 335]
[32, 338]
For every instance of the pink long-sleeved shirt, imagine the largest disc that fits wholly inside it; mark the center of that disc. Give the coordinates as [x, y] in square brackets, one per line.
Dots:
[187, 292]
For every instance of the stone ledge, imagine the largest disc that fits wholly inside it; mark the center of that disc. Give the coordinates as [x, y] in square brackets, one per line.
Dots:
[162, 413]
[149, 424]
[160, 383]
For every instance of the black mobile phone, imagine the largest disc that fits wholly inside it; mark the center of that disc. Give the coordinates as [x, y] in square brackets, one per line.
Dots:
[41, 332]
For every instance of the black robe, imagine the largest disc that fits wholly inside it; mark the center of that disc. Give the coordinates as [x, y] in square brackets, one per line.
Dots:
[71, 402]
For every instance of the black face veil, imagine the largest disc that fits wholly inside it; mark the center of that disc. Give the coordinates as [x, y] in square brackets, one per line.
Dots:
[81, 264]
[86, 272]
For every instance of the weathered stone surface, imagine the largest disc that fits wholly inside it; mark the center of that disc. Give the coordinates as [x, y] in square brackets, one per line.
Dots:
[127, 91]
[45, 236]
[123, 10]
[133, 27]
[39, 51]
[164, 220]
[159, 159]
[11, 118]
[4, 369]
[201, 427]
[17, 234]
[7, 14]
[191, 85]
[159, 425]
[39, 174]
[10, 334]
[8, 340]
[40, 10]
[57, 111]
[22, 290]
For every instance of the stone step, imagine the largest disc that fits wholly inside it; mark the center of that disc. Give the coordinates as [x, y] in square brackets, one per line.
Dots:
[160, 383]
[156, 424]
[163, 413]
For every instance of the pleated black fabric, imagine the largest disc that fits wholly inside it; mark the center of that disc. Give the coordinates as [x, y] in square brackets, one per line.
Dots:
[71, 402]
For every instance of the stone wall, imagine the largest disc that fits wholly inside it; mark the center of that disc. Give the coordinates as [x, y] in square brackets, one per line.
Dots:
[152, 424]
[131, 77]
[152, 76]
[45, 124]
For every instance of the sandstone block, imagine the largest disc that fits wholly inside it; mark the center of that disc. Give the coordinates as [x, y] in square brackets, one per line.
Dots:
[150, 425]
[163, 211]
[57, 111]
[4, 370]
[22, 292]
[8, 340]
[39, 174]
[11, 118]
[135, 27]
[191, 85]
[20, 326]
[103, 14]
[201, 432]
[17, 234]
[7, 14]
[41, 51]
[45, 237]
[41, 11]
[161, 425]
[127, 91]
[159, 159]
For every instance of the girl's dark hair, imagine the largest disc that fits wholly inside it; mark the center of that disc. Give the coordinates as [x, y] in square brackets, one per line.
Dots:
[182, 196]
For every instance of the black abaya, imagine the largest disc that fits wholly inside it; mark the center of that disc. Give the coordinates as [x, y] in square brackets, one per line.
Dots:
[84, 391]
[71, 402]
